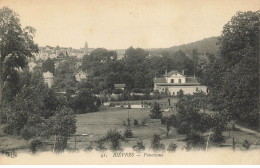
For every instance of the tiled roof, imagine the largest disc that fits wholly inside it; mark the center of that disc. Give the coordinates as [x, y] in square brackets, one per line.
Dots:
[159, 80]
[47, 75]
[171, 73]
[191, 80]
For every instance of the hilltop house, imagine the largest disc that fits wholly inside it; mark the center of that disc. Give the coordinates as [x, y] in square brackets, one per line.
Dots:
[48, 78]
[175, 81]
[80, 75]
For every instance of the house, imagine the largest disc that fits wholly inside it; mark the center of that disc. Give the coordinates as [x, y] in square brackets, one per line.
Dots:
[120, 86]
[80, 75]
[31, 66]
[48, 78]
[175, 81]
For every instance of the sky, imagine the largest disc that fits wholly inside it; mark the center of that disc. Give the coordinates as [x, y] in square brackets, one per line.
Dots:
[119, 24]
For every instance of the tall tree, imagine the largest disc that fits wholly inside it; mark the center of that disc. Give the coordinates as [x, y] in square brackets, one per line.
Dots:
[16, 44]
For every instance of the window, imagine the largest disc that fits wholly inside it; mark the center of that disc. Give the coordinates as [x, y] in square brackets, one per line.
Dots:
[179, 80]
[172, 80]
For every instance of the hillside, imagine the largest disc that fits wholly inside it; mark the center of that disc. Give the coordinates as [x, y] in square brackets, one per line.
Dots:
[202, 46]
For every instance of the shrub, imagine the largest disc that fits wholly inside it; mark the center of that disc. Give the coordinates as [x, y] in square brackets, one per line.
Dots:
[180, 94]
[33, 144]
[156, 145]
[60, 144]
[217, 137]
[205, 122]
[172, 147]
[128, 133]
[89, 148]
[129, 122]
[135, 122]
[184, 128]
[246, 144]
[194, 140]
[114, 137]
[139, 146]
[100, 145]
[28, 133]
[144, 121]
[156, 112]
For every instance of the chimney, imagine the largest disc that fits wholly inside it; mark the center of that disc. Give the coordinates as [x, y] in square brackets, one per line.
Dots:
[182, 72]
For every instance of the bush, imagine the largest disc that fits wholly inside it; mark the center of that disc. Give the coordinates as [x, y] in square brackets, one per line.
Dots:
[144, 121]
[217, 137]
[172, 147]
[28, 133]
[33, 144]
[89, 148]
[128, 133]
[205, 122]
[60, 144]
[194, 140]
[156, 145]
[246, 144]
[135, 122]
[114, 137]
[184, 128]
[156, 112]
[129, 122]
[139, 146]
[100, 145]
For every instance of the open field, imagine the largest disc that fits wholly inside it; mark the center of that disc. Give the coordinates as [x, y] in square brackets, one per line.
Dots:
[97, 124]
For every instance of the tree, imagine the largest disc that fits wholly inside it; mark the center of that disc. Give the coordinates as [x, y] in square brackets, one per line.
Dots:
[156, 145]
[62, 125]
[48, 65]
[16, 44]
[156, 111]
[233, 79]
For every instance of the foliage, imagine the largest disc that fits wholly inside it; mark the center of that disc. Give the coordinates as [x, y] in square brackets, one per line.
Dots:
[233, 79]
[16, 46]
[156, 145]
[33, 144]
[184, 128]
[156, 111]
[100, 145]
[172, 147]
[217, 137]
[48, 65]
[139, 146]
[135, 122]
[194, 140]
[114, 137]
[84, 102]
[180, 94]
[128, 133]
[246, 145]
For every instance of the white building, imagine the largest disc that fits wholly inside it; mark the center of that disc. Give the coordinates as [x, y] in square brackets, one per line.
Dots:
[174, 81]
[80, 75]
[48, 78]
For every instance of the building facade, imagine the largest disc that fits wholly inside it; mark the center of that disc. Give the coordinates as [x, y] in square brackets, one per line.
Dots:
[175, 81]
[48, 78]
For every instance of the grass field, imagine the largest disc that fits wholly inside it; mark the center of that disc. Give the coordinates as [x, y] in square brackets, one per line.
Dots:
[95, 125]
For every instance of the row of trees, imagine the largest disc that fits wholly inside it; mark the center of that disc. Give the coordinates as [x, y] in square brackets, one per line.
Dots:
[136, 69]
